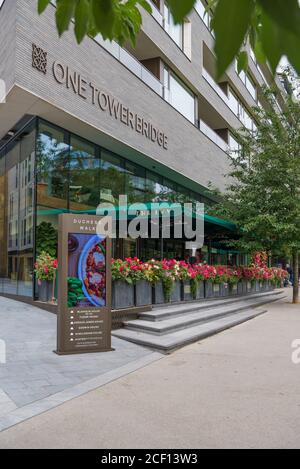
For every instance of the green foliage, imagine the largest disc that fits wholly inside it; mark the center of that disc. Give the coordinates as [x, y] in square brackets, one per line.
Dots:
[230, 24]
[46, 239]
[271, 26]
[263, 195]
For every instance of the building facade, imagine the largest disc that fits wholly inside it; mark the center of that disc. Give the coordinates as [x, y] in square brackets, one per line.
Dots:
[85, 123]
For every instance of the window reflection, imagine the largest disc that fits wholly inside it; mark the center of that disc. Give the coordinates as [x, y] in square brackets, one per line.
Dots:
[84, 176]
[52, 167]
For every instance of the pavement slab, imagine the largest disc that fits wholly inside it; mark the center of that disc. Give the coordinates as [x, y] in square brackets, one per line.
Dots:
[32, 371]
[238, 389]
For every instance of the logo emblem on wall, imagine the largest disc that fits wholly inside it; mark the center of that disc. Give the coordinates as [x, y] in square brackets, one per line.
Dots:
[39, 59]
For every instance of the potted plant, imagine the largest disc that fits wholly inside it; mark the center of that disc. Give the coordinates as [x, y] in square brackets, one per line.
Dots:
[234, 277]
[142, 283]
[185, 273]
[45, 269]
[153, 272]
[197, 282]
[122, 285]
[221, 281]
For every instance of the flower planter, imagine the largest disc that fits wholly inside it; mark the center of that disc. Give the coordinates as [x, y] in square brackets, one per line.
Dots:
[233, 289]
[208, 289]
[224, 289]
[212, 290]
[200, 293]
[158, 296]
[240, 288]
[187, 291]
[45, 290]
[176, 292]
[143, 293]
[122, 295]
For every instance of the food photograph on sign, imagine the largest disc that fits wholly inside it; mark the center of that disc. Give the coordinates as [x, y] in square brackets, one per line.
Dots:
[86, 270]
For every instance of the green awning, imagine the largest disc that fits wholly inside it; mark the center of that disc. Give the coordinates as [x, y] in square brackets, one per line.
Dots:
[122, 212]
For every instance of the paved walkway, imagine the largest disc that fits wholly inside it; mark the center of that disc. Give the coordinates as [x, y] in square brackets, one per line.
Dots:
[237, 389]
[35, 379]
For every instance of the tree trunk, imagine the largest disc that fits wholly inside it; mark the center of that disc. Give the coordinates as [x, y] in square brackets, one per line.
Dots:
[296, 277]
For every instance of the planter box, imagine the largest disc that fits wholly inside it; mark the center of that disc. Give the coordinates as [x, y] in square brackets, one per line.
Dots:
[257, 286]
[240, 288]
[200, 294]
[187, 291]
[45, 291]
[208, 289]
[158, 297]
[212, 290]
[224, 289]
[250, 287]
[233, 289]
[143, 293]
[176, 292]
[122, 295]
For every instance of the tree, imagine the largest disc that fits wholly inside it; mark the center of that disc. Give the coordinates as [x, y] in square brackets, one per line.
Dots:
[271, 26]
[263, 195]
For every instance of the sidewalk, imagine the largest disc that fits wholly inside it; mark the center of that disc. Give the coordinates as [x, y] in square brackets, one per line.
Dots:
[34, 379]
[237, 389]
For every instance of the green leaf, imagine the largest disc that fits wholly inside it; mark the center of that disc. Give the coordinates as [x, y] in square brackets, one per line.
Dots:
[259, 52]
[65, 10]
[242, 61]
[104, 17]
[42, 5]
[271, 41]
[285, 13]
[145, 5]
[81, 19]
[231, 22]
[180, 8]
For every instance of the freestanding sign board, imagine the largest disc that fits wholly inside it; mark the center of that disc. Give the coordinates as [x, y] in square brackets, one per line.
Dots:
[84, 286]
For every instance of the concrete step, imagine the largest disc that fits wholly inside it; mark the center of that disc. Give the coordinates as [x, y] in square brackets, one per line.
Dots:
[183, 321]
[169, 342]
[161, 313]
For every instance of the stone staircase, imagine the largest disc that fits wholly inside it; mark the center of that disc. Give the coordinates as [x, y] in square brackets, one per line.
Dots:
[168, 328]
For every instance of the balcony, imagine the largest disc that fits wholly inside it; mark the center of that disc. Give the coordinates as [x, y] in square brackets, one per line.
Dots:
[156, 13]
[215, 86]
[131, 63]
[213, 136]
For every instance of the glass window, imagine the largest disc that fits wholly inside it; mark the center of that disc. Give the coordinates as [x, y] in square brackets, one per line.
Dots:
[178, 95]
[233, 102]
[26, 210]
[251, 86]
[16, 214]
[234, 146]
[135, 183]
[174, 30]
[84, 189]
[52, 167]
[12, 218]
[112, 177]
[154, 187]
[247, 80]
[203, 13]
